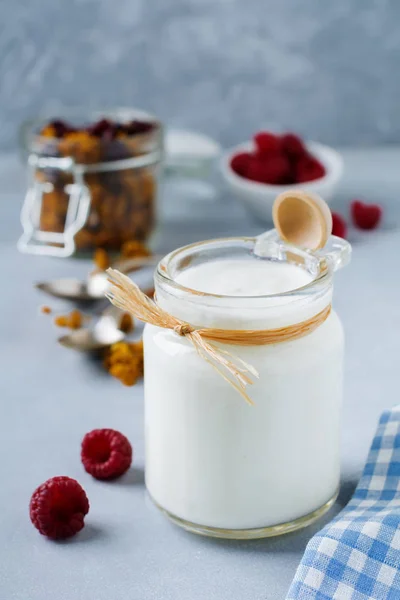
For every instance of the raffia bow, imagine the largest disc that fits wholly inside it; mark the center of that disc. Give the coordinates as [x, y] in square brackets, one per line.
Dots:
[127, 296]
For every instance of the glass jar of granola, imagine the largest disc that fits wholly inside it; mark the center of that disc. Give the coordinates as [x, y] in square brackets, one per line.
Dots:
[93, 181]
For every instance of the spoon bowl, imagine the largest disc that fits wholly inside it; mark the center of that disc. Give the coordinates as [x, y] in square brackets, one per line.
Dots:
[66, 289]
[105, 332]
[96, 284]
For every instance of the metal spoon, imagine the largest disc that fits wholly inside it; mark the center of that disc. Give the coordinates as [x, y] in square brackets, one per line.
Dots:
[93, 339]
[96, 285]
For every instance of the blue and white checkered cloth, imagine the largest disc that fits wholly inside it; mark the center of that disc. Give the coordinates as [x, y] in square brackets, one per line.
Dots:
[357, 555]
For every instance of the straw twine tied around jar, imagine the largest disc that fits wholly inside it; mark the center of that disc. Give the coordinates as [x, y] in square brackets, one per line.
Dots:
[127, 296]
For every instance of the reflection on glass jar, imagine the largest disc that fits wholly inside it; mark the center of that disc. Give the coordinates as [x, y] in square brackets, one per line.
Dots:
[92, 186]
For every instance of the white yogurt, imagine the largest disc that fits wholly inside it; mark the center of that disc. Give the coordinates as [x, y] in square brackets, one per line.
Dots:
[212, 460]
[244, 278]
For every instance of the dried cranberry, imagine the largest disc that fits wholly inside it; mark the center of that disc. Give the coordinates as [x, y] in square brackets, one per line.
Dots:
[60, 127]
[135, 127]
[102, 128]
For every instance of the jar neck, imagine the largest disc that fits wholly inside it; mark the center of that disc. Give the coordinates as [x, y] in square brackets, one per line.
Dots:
[205, 310]
[229, 314]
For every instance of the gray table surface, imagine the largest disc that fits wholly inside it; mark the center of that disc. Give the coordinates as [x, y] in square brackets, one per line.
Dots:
[50, 397]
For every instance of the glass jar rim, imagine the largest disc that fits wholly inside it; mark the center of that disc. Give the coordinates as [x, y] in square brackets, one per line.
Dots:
[29, 134]
[318, 284]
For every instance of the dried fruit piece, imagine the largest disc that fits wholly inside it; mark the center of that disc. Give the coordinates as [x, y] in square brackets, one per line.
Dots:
[61, 321]
[103, 128]
[126, 324]
[365, 216]
[133, 249]
[136, 127]
[58, 507]
[74, 320]
[106, 453]
[124, 361]
[101, 259]
[46, 310]
[58, 128]
[339, 226]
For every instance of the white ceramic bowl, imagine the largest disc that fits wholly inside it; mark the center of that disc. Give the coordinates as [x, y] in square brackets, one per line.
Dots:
[259, 197]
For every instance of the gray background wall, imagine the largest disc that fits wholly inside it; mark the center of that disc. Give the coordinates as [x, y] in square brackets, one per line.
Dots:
[326, 68]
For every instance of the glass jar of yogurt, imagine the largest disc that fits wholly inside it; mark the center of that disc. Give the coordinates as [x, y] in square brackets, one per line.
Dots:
[214, 464]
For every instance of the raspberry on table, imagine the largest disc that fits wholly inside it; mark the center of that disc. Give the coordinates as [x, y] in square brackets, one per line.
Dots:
[106, 453]
[58, 507]
[365, 216]
[339, 226]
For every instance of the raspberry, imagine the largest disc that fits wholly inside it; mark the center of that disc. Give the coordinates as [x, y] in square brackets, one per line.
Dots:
[240, 163]
[106, 453]
[309, 168]
[58, 507]
[339, 226]
[255, 170]
[292, 145]
[273, 170]
[365, 216]
[267, 143]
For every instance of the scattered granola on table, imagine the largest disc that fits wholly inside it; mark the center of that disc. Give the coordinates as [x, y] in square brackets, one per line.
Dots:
[46, 310]
[124, 361]
[73, 320]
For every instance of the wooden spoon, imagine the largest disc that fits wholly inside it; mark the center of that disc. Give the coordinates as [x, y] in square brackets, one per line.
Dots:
[303, 220]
